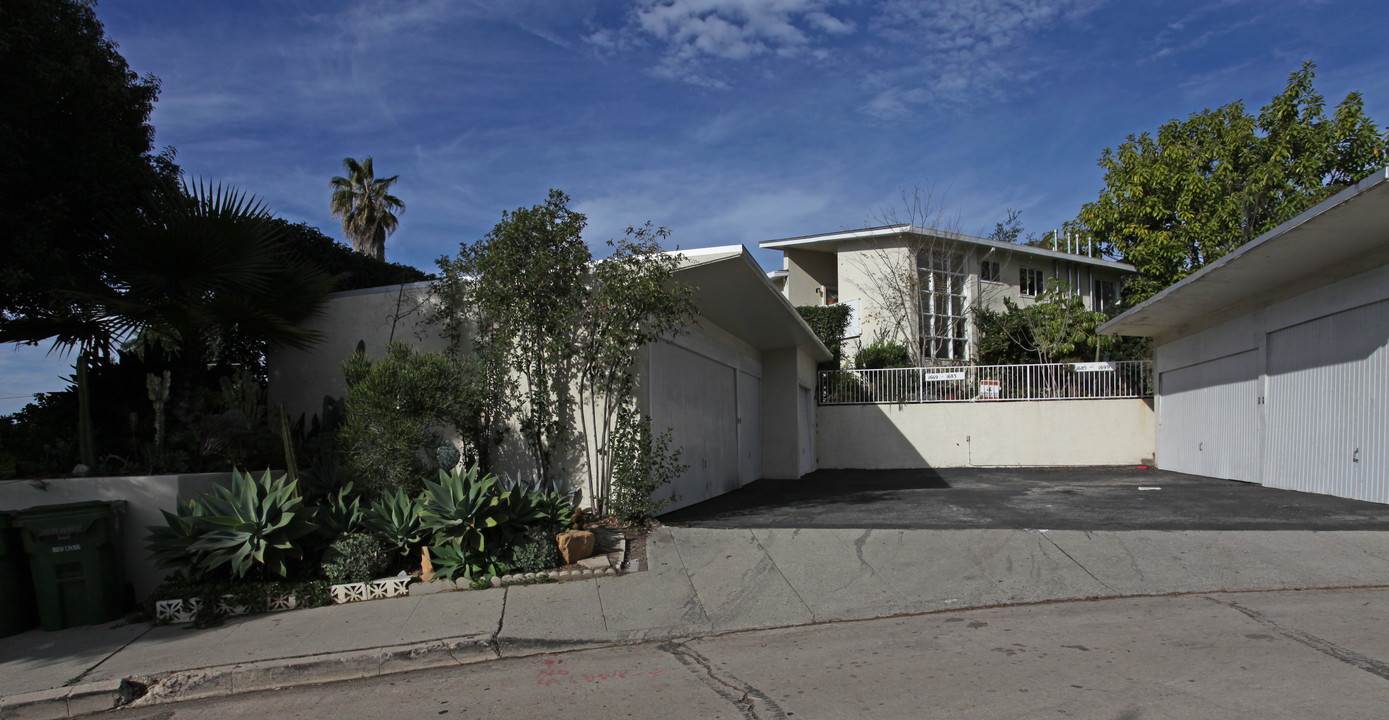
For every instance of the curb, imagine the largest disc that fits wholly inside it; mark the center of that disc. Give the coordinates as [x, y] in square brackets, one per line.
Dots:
[227, 680]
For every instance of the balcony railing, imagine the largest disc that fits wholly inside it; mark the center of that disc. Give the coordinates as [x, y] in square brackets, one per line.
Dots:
[987, 383]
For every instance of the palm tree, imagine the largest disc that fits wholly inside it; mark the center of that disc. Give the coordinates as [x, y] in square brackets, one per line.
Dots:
[366, 206]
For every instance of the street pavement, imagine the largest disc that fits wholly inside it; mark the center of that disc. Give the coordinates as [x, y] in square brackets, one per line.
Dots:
[1284, 655]
[698, 583]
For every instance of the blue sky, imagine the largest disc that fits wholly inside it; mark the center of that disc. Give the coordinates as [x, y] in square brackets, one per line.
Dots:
[728, 121]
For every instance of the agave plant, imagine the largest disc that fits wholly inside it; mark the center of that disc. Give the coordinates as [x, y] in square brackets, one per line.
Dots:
[255, 523]
[465, 507]
[396, 520]
[171, 545]
[452, 560]
[339, 516]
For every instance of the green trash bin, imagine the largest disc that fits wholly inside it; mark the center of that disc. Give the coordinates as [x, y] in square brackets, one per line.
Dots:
[16, 589]
[74, 558]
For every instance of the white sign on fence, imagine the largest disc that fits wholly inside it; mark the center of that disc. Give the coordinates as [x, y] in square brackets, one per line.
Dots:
[988, 389]
[1095, 367]
[938, 375]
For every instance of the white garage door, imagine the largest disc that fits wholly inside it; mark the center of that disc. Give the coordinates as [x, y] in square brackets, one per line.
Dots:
[1208, 418]
[698, 399]
[1328, 389]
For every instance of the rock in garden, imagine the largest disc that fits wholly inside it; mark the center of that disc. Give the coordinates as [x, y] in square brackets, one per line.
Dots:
[575, 545]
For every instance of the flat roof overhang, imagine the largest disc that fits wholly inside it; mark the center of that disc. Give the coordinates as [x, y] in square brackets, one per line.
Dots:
[1339, 237]
[830, 242]
[733, 292]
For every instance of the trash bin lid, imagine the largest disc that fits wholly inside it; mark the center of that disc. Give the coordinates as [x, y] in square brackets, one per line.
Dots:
[64, 519]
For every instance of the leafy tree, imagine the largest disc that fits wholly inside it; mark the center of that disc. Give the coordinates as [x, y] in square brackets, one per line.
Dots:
[554, 334]
[527, 289]
[632, 299]
[76, 140]
[366, 206]
[1206, 185]
[1056, 328]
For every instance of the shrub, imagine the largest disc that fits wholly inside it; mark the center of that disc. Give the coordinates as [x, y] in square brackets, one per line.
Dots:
[356, 557]
[882, 353]
[828, 323]
[393, 407]
[537, 553]
[642, 465]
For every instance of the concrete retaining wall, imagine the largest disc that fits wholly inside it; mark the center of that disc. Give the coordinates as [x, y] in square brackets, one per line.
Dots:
[145, 496]
[995, 434]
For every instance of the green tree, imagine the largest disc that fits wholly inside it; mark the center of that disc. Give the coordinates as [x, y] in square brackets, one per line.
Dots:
[1206, 185]
[366, 206]
[1056, 328]
[75, 136]
[526, 291]
[555, 335]
[632, 299]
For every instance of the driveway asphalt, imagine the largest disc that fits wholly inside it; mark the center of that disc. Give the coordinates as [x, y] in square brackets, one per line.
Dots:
[1089, 498]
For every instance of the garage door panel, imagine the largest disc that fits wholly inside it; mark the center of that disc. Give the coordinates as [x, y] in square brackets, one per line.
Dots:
[1208, 418]
[1328, 387]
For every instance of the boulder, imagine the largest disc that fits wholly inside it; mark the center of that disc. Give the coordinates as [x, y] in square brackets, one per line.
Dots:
[575, 545]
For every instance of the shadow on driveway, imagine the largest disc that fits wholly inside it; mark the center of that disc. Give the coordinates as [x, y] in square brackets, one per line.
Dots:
[1089, 498]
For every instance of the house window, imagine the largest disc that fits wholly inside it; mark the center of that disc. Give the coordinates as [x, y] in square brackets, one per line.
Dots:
[1030, 282]
[944, 322]
[990, 271]
[1105, 296]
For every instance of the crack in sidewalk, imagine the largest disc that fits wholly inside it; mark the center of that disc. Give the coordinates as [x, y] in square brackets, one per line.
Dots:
[1062, 550]
[495, 642]
[1320, 644]
[782, 575]
[744, 697]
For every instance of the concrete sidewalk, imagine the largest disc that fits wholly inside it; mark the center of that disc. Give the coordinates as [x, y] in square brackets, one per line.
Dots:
[699, 582]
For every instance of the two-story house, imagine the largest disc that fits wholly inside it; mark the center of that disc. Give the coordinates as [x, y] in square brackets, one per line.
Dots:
[922, 286]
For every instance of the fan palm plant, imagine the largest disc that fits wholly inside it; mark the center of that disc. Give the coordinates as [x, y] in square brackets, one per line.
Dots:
[366, 206]
[203, 274]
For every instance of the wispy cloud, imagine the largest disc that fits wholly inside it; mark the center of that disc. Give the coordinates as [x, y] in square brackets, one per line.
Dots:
[693, 33]
[965, 49]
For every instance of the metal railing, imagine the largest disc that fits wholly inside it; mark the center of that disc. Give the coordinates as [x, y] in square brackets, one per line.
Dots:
[987, 383]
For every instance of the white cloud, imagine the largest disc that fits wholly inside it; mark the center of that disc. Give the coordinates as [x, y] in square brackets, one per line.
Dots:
[695, 32]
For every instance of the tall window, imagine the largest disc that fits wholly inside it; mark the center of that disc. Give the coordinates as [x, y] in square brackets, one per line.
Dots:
[1030, 282]
[1106, 295]
[944, 324]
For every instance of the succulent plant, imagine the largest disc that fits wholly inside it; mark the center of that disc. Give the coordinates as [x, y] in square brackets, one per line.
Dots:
[396, 520]
[254, 524]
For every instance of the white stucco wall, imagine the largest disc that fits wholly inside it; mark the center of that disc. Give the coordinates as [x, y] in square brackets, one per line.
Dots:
[375, 316]
[144, 496]
[986, 434]
[807, 272]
